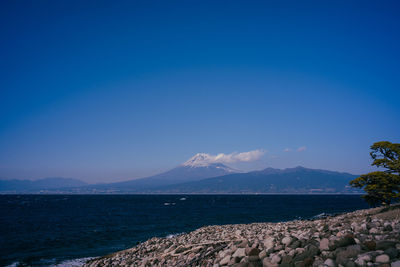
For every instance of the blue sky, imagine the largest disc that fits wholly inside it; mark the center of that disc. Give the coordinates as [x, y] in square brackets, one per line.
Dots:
[109, 91]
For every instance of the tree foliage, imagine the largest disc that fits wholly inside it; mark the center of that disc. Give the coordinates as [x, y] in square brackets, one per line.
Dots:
[382, 186]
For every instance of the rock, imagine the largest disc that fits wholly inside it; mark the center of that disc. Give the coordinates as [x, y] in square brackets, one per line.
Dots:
[343, 257]
[382, 258]
[330, 263]
[286, 259]
[196, 249]
[350, 264]
[262, 254]
[373, 231]
[240, 252]
[370, 245]
[307, 262]
[395, 264]
[253, 258]
[266, 262]
[269, 243]
[243, 244]
[388, 228]
[253, 252]
[345, 241]
[385, 244]
[234, 260]
[392, 253]
[309, 252]
[324, 244]
[241, 264]
[180, 249]
[363, 259]
[295, 244]
[286, 240]
[225, 260]
[276, 259]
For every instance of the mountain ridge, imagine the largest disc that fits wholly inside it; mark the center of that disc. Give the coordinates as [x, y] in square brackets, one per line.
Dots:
[290, 180]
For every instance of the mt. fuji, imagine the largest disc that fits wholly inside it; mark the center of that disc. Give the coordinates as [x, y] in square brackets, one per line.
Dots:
[196, 168]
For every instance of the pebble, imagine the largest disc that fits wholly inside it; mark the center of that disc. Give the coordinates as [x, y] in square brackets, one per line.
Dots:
[382, 258]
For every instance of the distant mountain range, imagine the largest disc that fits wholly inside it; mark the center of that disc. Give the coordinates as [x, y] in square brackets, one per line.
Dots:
[197, 176]
[297, 180]
[46, 184]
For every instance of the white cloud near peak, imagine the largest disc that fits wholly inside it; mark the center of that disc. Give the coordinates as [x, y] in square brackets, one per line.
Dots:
[204, 158]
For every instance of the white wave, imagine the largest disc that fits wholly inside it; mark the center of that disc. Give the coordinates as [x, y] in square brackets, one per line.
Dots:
[72, 263]
[173, 235]
[14, 264]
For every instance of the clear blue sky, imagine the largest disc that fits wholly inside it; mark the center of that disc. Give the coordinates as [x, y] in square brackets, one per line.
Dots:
[113, 90]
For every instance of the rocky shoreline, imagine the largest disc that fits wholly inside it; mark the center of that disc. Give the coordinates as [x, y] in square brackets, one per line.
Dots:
[362, 238]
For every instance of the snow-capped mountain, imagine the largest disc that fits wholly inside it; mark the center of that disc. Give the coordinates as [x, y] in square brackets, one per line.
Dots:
[205, 160]
[199, 160]
[196, 168]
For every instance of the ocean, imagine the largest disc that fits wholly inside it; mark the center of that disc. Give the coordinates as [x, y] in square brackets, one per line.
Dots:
[46, 230]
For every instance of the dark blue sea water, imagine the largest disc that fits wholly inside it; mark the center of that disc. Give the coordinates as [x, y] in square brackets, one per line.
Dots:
[48, 229]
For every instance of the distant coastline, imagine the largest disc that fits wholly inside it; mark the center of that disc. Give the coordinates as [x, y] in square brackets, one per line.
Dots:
[203, 179]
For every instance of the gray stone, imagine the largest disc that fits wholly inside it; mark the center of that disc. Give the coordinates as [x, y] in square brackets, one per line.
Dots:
[243, 243]
[392, 252]
[388, 228]
[382, 258]
[253, 252]
[269, 243]
[266, 262]
[262, 254]
[295, 244]
[234, 260]
[342, 257]
[324, 244]
[287, 240]
[330, 263]
[286, 259]
[225, 260]
[309, 252]
[385, 244]
[345, 241]
[363, 259]
[373, 231]
[395, 264]
[240, 252]
[276, 259]
[350, 264]
[254, 258]
[255, 264]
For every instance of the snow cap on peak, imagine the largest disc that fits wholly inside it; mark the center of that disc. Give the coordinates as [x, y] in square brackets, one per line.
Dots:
[200, 159]
[204, 159]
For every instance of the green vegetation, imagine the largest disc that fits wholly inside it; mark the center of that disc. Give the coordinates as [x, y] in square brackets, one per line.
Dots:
[382, 187]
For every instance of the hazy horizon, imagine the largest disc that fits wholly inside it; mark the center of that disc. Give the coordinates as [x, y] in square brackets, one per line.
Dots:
[107, 92]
